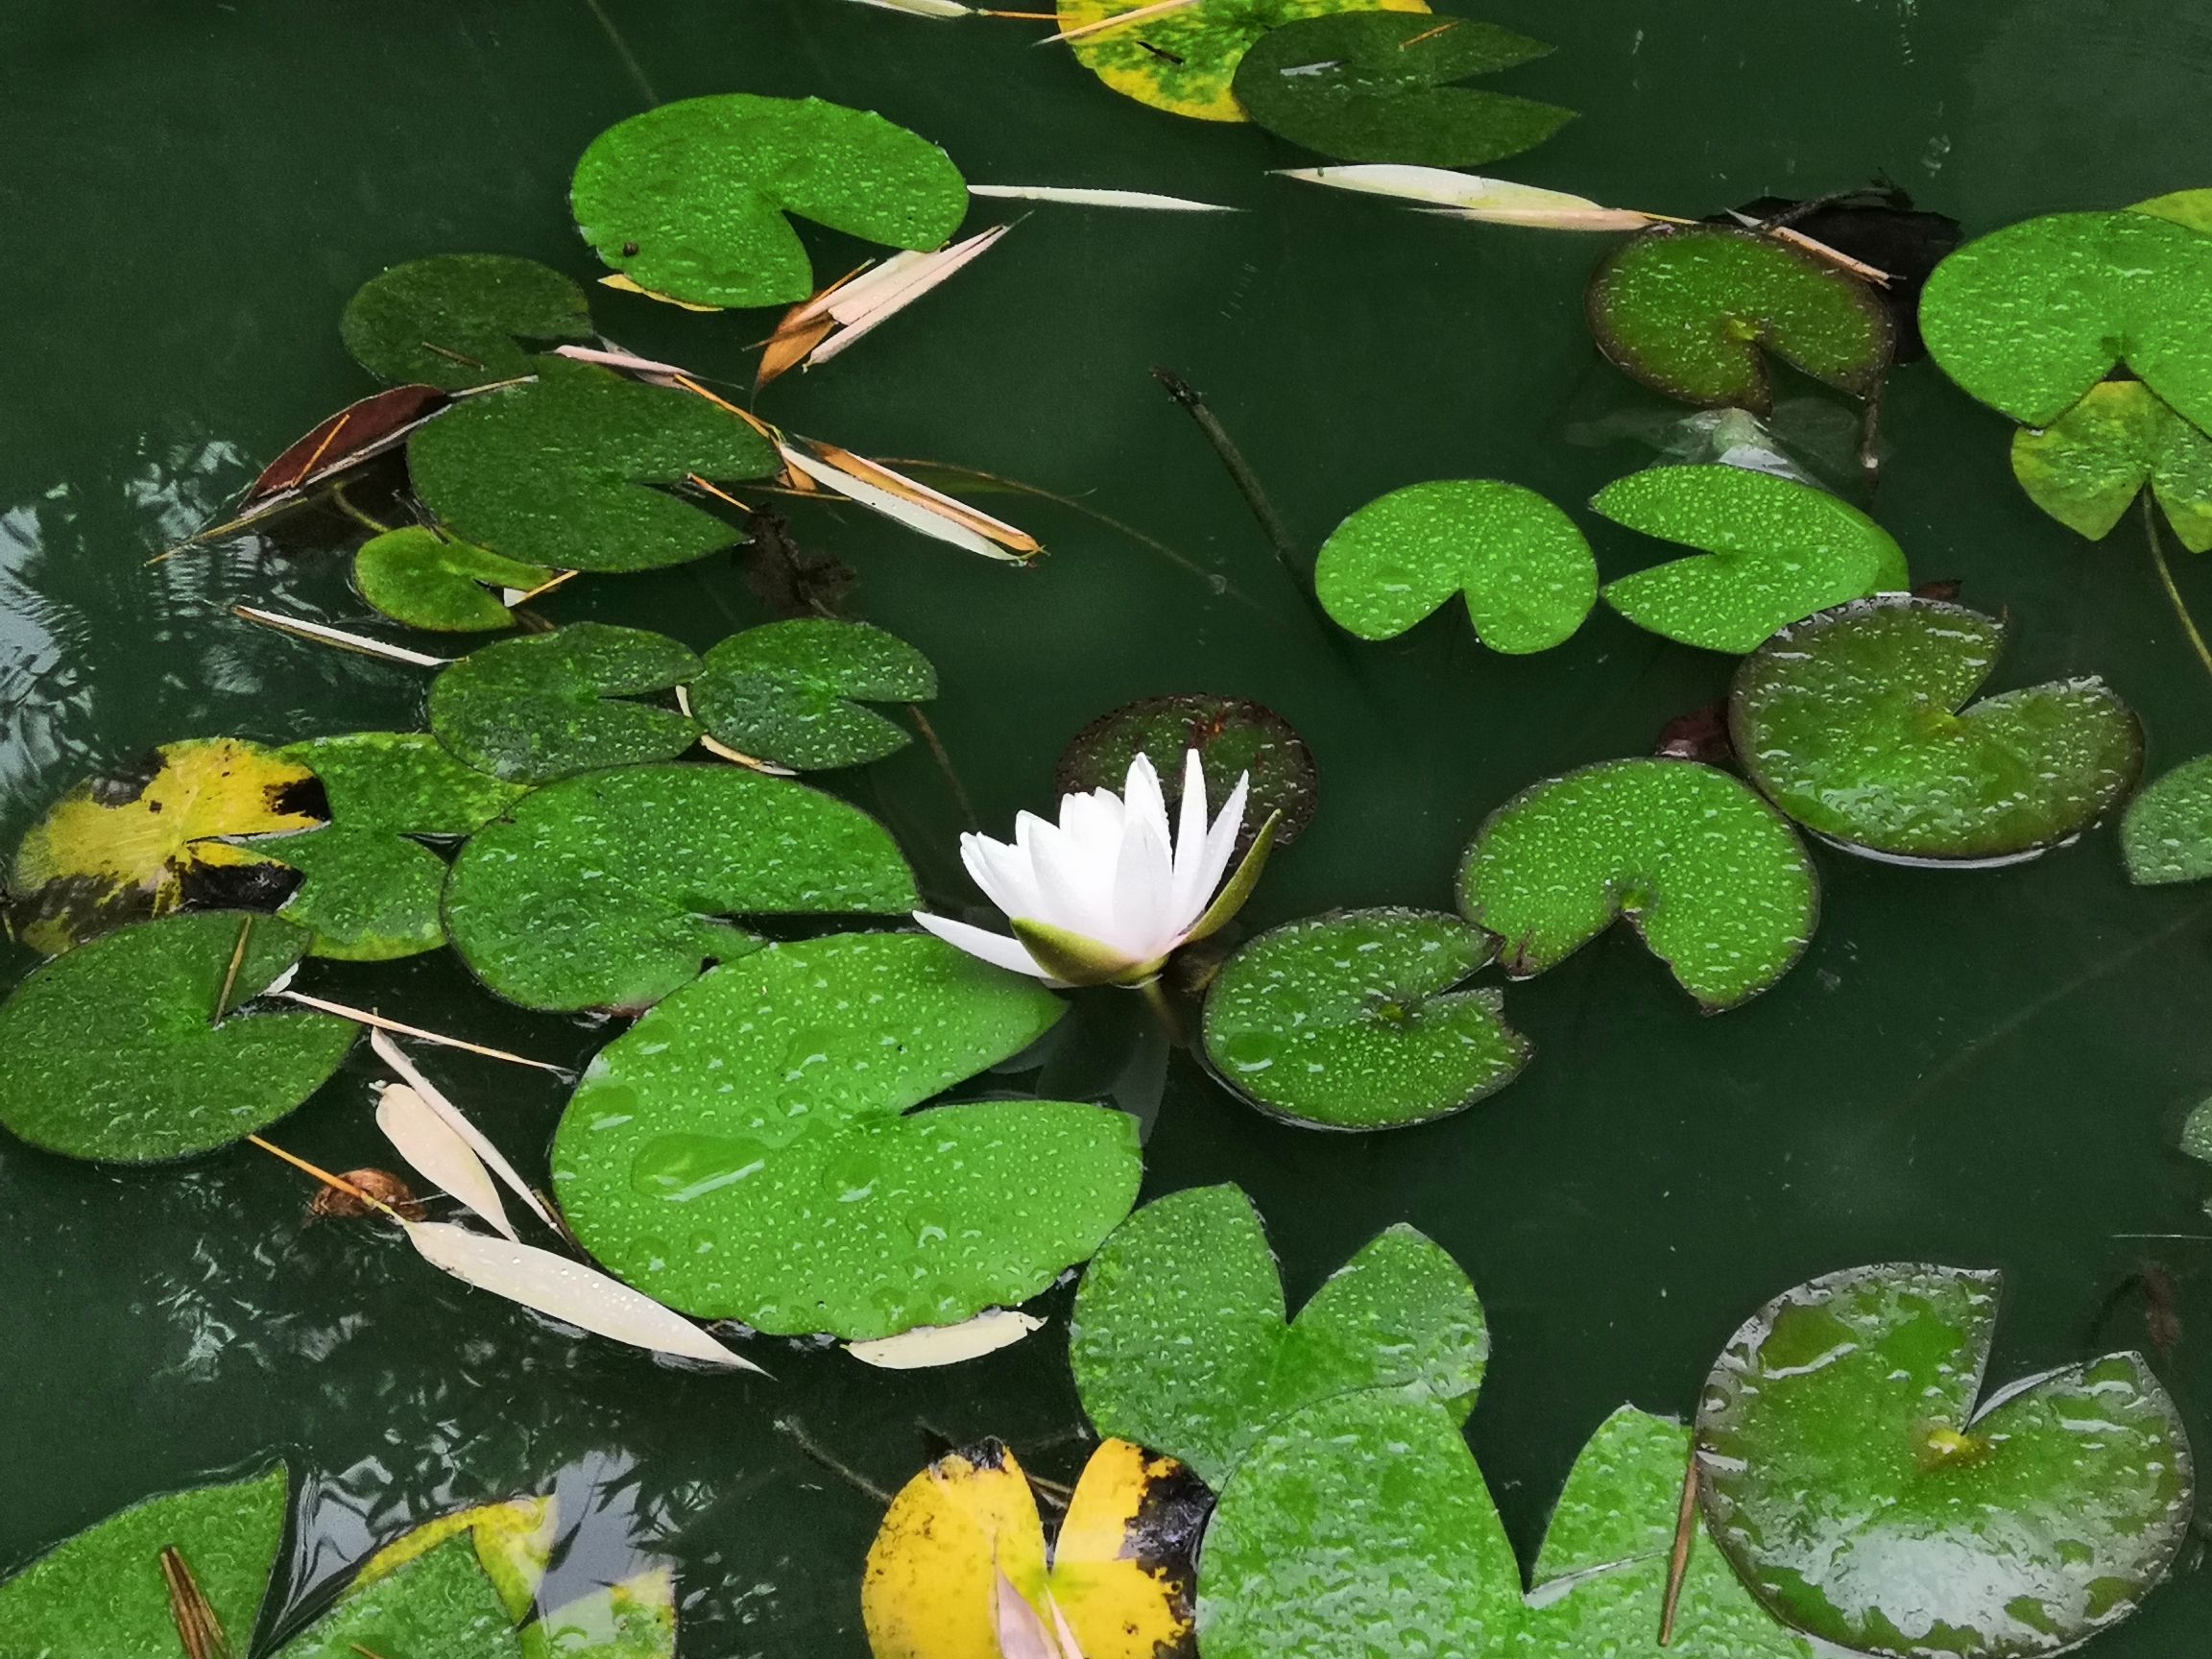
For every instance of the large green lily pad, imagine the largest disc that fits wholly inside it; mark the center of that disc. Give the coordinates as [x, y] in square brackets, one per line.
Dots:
[1868, 1496]
[1526, 571]
[750, 1149]
[1858, 724]
[688, 200]
[1235, 737]
[114, 1051]
[558, 471]
[611, 889]
[549, 706]
[101, 1595]
[2087, 466]
[1179, 1339]
[1694, 311]
[441, 1605]
[1355, 1020]
[1715, 882]
[2167, 833]
[416, 576]
[457, 321]
[1775, 551]
[790, 692]
[1380, 86]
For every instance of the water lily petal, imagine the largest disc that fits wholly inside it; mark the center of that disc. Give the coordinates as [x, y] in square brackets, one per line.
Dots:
[1003, 872]
[1190, 842]
[1143, 890]
[1142, 801]
[1221, 839]
[1075, 889]
[994, 948]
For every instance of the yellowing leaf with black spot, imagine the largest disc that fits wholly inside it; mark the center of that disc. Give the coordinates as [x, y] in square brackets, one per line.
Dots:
[124, 847]
[1120, 1572]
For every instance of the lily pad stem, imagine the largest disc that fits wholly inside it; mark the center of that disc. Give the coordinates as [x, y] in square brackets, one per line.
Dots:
[943, 759]
[819, 1454]
[2166, 581]
[345, 504]
[1163, 1011]
[1239, 470]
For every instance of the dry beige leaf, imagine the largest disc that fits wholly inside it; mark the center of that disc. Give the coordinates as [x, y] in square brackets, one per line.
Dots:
[927, 1346]
[433, 1096]
[930, 522]
[439, 1156]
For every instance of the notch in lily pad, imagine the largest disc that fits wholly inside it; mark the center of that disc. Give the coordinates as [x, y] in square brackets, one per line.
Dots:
[1862, 725]
[550, 705]
[2086, 467]
[431, 581]
[460, 320]
[791, 692]
[1234, 737]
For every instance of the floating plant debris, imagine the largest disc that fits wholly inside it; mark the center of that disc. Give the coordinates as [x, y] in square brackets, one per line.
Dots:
[2167, 833]
[356, 434]
[1484, 201]
[927, 1347]
[790, 692]
[552, 705]
[2087, 466]
[460, 320]
[416, 576]
[1234, 737]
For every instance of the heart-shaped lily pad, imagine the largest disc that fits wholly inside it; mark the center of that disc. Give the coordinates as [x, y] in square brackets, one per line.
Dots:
[1179, 1340]
[1235, 737]
[458, 320]
[1380, 86]
[2167, 833]
[114, 1051]
[416, 576]
[688, 200]
[1858, 724]
[611, 889]
[1185, 61]
[2087, 466]
[1352, 1020]
[1688, 310]
[1777, 550]
[549, 706]
[790, 692]
[1869, 1496]
[556, 472]
[1526, 571]
[1713, 878]
[750, 1149]
[441, 1604]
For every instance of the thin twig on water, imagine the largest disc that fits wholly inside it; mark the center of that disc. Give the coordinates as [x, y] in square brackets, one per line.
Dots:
[817, 1454]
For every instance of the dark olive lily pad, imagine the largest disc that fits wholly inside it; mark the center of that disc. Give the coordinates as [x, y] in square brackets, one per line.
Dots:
[1235, 737]
[1689, 311]
[1712, 878]
[1352, 1020]
[556, 472]
[1870, 1497]
[1858, 724]
[750, 1151]
[552, 705]
[458, 320]
[2167, 833]
[1179, 1340]
[1379, 87]
[416, 576]
[441, 1604]
[2088, 465]
[113, 1051]
[1526, 571]
[1777, 550]
[790, 692]
[611, 889]
[688, 200]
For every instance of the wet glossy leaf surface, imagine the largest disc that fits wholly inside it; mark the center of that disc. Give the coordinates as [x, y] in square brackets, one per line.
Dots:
[2087, 466]
[425, 579]
[514, 1543]
[1235, 737]
[747, 1150]
[552, 705]
[790, 692]
[440, 1606]
[457, 321]
[2167, 833]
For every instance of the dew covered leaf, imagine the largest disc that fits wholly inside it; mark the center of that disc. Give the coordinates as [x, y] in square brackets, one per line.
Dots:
[1235, 737]
[1711, 876]
[458, 320]
[1693, 312]
[2167, 833]
[113, 1051]
[440, 1604]
[611, 889]
[790, 692]
[688, 200]
[1380, 86]
[1525, 570]
[1775, 551]
[549, 706]
[557, 472]
[416, 576]
[1860, 724]
[1863, 1492]
[101, 1595]
[2087, 466]
[747, 1150]
[1355, 1020]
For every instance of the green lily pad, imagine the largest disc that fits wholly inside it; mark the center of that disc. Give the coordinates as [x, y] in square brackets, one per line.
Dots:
[1379, 87]
[790, 692]
[2087, 466]
[1870, 1499]
[549, 706]
[441, 1604]
[2167, 833]
[1712, 878]
[457, 321]
[101, 1595]
[688, 200]
[1179, 1342]
[1688, 310]
[113, 1051]
[556, 472]
[416, 576]
[633, 1619]
[1776, 551]
[1527, 572]
[1858, 724]
[372, 887]
[2030, 318]
[1350, 1021]
[1235, 737]
[2197, 1132]
[611, 889]
[750, 1149]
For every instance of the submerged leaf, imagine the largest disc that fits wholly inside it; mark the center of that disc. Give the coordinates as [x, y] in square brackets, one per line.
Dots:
[2088, 465]
[416, 576]
[458, 320]
[552, 705]
[789, 692]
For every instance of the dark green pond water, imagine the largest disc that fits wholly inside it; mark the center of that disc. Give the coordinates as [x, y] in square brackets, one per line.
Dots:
[1980, 1068]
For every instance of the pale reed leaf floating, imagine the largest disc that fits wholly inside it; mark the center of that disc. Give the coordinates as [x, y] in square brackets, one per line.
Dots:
[1022, 1634]
[456, 1120]
[439, 1156]
[922, 8]
[932, 523]
[860, 308]
[281, 987]
[1070, 1647]
[645, 367]
[324, 633]
[1008, 536]
[927, 1346]
[1467, 196]
[1073, 197]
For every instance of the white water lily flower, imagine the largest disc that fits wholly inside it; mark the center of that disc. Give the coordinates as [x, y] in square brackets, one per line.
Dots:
[1106, 895]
